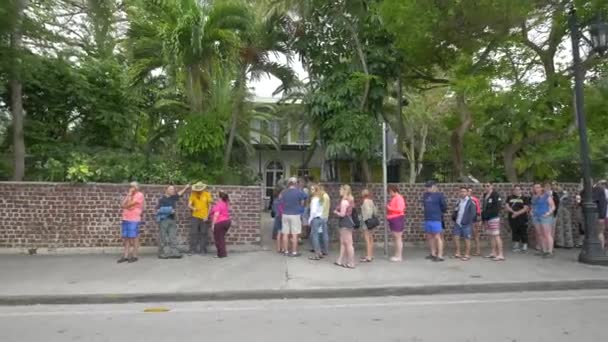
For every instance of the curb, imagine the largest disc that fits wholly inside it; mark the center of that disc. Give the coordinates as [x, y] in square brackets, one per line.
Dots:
[315, 293]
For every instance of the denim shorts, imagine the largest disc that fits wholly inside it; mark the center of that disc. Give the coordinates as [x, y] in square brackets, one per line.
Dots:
[277, 225]
[433, 227]
[464, 232]
[130, 229]
[542, 219]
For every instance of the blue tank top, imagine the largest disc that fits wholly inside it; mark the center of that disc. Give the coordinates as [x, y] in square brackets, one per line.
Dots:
[540, 205]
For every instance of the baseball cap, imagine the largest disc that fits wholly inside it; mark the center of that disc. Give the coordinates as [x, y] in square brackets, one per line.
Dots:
[430, 184]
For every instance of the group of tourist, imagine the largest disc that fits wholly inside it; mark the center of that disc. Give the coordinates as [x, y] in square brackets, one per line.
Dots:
[305, 206]
[205, 216]
[302, 206]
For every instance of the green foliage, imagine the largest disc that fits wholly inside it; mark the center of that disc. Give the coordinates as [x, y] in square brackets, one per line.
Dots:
[201, 134]
[154, 90]
[79, 169]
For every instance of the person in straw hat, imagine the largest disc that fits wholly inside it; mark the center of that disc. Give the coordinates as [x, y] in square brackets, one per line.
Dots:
[200, 202]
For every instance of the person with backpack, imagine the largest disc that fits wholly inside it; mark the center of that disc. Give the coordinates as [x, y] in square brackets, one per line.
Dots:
[395, 215]
[293, 200]
[477, 223]
[346, 224]
[369, 221]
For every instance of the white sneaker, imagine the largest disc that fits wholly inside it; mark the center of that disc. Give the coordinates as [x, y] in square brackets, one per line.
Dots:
[524, 248]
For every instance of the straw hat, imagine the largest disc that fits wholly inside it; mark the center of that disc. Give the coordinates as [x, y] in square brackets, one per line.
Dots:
[199, 186]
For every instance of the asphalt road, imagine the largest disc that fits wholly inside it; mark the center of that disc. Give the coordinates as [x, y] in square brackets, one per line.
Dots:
[547, 316]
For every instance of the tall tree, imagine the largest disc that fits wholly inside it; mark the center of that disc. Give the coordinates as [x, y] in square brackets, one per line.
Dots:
[16, 88]
[262, 44]
[186, 38]
[455, 39]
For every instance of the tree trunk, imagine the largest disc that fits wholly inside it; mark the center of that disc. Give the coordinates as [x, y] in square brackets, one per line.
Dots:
[240, 90]
[508, 157]
[412, 159]
[367, 175]
[422, 150]
[310, 153]
[195, 89]
[401, 128]
[361, 55]
[509, 153]
[457, 139]
[16, 90]
[367, 172]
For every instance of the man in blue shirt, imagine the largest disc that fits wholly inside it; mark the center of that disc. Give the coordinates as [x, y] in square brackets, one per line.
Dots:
[292, 199]
[434, 207]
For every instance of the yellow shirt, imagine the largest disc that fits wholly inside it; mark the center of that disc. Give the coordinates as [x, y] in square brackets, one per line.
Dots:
[326, 204]
[201, 203]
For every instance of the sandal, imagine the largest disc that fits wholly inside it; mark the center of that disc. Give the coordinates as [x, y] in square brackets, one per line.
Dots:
[339, 264]
[455, 256]
[499, 259]
[314, 258]
[465, 258]
[366, 259]
[490, 256]
[351, 267]
[476, 254]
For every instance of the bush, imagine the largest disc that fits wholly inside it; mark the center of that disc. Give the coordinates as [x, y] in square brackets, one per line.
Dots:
[117, 166]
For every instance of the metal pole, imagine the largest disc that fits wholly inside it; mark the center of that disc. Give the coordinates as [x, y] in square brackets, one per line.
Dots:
[592, 251]
[384, 185]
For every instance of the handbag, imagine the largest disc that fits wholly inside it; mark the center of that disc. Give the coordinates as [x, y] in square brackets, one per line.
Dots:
[372, 222]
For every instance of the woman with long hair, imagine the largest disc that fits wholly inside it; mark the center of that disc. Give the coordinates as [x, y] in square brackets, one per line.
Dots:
[346, 224]
[368, 211]
[542, 217]
[395, 215]
[220, 223]
[317, 205]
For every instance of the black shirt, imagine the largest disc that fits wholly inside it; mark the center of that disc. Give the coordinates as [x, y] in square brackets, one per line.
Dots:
[556, 200]
[492, 204]
[168, 201]
[517, 203]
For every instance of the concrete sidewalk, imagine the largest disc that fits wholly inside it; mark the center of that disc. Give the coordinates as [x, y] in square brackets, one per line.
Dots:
[263, 275]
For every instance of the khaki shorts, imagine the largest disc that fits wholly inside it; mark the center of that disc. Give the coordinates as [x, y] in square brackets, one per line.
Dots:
[292, 224]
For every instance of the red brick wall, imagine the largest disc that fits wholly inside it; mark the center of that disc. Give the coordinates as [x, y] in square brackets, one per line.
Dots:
[59, 215]
[414, 217]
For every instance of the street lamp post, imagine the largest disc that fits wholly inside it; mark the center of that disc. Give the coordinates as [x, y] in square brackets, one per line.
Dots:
[592, 251]
[385, 182]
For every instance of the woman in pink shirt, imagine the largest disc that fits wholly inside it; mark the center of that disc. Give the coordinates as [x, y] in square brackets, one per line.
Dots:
[395, 215]
[220, 223]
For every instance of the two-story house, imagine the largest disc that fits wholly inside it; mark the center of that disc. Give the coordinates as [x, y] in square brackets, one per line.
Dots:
[284, 148]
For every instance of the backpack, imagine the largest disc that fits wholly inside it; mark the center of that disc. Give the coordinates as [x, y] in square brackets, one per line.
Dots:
[354, 215]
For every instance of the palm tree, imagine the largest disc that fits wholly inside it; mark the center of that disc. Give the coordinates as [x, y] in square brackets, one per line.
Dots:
[185, 38]
[268, 37]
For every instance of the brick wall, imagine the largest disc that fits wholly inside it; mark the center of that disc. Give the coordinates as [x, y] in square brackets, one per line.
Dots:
[59, 215]
[413, 194]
